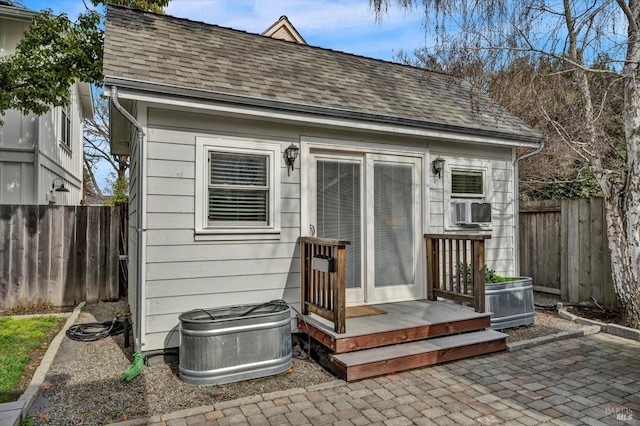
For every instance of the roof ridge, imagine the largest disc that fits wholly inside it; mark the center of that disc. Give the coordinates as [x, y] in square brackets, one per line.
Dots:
[326, 49]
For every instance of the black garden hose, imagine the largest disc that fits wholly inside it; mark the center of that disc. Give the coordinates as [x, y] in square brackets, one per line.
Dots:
[93, 331]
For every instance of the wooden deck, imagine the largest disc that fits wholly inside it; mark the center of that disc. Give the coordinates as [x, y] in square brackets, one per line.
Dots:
[411, 334]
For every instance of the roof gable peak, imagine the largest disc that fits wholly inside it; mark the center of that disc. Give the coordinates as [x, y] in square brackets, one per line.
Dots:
[283, 29]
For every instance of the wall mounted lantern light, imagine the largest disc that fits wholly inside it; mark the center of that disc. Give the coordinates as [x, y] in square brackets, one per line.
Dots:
[60, 188]
[437, 165]
[291, 153]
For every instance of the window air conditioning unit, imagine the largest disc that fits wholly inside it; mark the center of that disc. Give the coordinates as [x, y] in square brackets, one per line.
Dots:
[471, 213]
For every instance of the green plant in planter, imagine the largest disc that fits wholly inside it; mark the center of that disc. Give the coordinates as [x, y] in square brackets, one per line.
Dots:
[490, 275]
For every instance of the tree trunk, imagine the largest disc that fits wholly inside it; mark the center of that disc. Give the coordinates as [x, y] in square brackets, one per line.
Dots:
[623, 201]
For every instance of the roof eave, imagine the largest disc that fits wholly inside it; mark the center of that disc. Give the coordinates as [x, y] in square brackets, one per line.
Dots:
[526, 140]
[16, 12]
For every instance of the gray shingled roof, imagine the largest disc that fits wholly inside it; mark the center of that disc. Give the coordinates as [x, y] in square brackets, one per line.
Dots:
[170, 52]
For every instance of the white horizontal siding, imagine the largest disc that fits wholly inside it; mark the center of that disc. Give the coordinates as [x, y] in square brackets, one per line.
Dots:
[170, 186]
[184, 274]
[500, 252]
[232, 284]
[170, 308]
[233, 251]
[171, 169]
[163, 329]
[219, 268]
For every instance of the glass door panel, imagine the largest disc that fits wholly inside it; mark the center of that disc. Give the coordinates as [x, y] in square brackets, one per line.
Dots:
[339, 214]
[394, 224]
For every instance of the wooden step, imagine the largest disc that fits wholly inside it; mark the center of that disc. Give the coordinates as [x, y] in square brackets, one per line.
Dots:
[404, 356]
[404, 322]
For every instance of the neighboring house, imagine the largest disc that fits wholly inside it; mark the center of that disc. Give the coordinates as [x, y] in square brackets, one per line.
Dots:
[38, 154]
[217, 212]
[283, 29]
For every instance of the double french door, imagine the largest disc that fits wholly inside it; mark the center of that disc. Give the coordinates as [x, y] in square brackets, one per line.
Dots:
[374, 201]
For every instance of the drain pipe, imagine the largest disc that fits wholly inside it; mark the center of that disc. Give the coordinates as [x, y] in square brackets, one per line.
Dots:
[516, 205]
[139, 228]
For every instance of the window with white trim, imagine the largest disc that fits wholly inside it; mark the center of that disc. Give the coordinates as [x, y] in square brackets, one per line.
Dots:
[237, 187]
[65, 125]
[465, 180]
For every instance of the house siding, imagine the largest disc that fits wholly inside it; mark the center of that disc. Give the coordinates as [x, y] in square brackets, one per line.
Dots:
[500, 253]
[182, 273]
[31, 154]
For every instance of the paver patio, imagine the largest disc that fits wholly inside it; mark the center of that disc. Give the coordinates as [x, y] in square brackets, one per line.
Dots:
[592, 380]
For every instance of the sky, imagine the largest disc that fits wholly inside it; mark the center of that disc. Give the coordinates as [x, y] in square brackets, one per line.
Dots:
[344, 25]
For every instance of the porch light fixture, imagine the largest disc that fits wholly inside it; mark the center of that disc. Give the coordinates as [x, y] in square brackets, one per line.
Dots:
[61, 188]
[291, 153]
[437, 165]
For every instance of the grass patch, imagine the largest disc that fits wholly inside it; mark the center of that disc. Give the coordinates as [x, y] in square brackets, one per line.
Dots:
[22, 344]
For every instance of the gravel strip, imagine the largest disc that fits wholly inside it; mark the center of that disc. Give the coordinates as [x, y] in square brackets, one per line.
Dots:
[83, 385]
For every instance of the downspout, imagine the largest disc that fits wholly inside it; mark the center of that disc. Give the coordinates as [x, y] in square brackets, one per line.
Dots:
[139, 228]
[516, 205]
[36, 163]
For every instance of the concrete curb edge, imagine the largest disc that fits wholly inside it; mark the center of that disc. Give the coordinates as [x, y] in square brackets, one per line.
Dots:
[569, 334]
[609, 328]
[37, 380]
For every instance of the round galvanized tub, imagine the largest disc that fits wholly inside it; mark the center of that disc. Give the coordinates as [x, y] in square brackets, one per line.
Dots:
[234, 343]
[510, 302]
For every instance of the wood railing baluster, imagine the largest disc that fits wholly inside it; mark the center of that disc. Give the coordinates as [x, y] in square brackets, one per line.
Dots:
[323, 288]
[448, 268]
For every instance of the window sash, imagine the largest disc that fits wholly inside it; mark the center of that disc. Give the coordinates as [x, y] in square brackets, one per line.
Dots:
[65, 125]
[467, 184]
[239, 189]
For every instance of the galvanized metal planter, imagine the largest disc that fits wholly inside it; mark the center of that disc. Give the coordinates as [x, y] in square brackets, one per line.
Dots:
[510, 302]
[234, 343]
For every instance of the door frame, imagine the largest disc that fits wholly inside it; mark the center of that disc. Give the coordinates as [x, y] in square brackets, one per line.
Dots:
[355, 148]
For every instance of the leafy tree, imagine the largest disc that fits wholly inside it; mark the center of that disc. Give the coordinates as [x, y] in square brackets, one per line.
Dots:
[596, 46]
[97, 152]
[53, 54]
[120, 189]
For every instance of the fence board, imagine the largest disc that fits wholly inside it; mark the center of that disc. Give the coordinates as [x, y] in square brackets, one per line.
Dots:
[59, 254]
[564, 248]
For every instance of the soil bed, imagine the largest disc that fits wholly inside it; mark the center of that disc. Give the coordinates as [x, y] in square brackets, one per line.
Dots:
[597, 314]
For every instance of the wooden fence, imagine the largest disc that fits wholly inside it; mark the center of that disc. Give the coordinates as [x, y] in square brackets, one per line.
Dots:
[60, 255]
[564, 248]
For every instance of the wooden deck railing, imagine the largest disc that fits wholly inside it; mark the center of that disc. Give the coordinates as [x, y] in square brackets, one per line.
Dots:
[323, 290]
[456, 268]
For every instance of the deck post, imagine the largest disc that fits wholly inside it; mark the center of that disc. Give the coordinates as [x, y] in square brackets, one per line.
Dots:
[479, 275]
[304, 279]
[339, 291]
[431, 269]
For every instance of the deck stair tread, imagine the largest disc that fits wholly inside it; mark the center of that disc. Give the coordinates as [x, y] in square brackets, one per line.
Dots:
[402, 315]
[367, 356]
